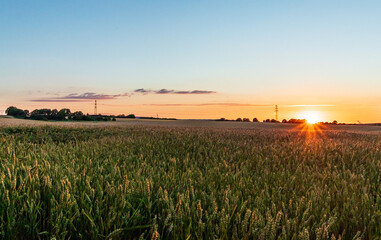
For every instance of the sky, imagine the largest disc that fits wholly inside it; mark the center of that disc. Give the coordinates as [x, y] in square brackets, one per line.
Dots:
[194, 59]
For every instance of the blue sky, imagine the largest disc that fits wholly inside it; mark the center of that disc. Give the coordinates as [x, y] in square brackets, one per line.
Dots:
[259, 52]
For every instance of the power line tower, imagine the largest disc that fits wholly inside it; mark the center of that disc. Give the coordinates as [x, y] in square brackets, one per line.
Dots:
[276, 112]
[95, 108]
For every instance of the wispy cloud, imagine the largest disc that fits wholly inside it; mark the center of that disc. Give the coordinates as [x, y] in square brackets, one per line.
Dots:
[84, 97]
[167, 91]
[91, 96]
[141, 90]
[59, 100]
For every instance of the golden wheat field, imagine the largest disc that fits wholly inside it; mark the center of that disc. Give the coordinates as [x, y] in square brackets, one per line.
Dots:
[364, 128]
[146, 179]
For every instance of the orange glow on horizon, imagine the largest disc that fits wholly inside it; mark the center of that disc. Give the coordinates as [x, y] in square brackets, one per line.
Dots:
[187, 109]
[312, 117]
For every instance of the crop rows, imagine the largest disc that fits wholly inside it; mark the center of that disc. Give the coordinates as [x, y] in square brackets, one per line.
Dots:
[188, 183]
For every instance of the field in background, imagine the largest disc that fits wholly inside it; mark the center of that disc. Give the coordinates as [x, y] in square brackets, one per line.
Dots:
[363, 128]
[158, 179]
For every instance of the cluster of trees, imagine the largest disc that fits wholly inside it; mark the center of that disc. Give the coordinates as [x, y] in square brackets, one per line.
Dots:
[16, 112]
[156, 118]
[300, 121]
[333, 122]
[239, 120]
[246, 120]
[271, 121]
[243, 120]
[133, 116]
[54, 114]
[48, 114]
[292, 120]
[124, 116]
[297, 121]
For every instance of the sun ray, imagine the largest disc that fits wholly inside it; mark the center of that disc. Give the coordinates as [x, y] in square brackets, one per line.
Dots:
[311, 127]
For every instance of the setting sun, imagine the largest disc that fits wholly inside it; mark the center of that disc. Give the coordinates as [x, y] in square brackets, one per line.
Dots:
[312, 117]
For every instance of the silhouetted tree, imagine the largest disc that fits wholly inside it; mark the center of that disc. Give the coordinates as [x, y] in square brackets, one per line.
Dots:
[239, 120]
[255, 120]
[16, 112]
[268, 120]
[54, 114]
[41, 114]
[334, 122]
[63, 114]
[246, 120]
[77, 116]
[298, 121]
[284, 121]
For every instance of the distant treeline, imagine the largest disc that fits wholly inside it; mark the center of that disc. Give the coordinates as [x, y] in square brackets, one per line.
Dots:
[292, 120]
[55, 115]
[157, 118]
[133, 116]
[126, 116]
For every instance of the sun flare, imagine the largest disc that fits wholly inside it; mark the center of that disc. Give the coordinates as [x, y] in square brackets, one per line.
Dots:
[312, 117]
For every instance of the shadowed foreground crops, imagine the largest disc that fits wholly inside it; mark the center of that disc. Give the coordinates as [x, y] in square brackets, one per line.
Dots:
[178, 183]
